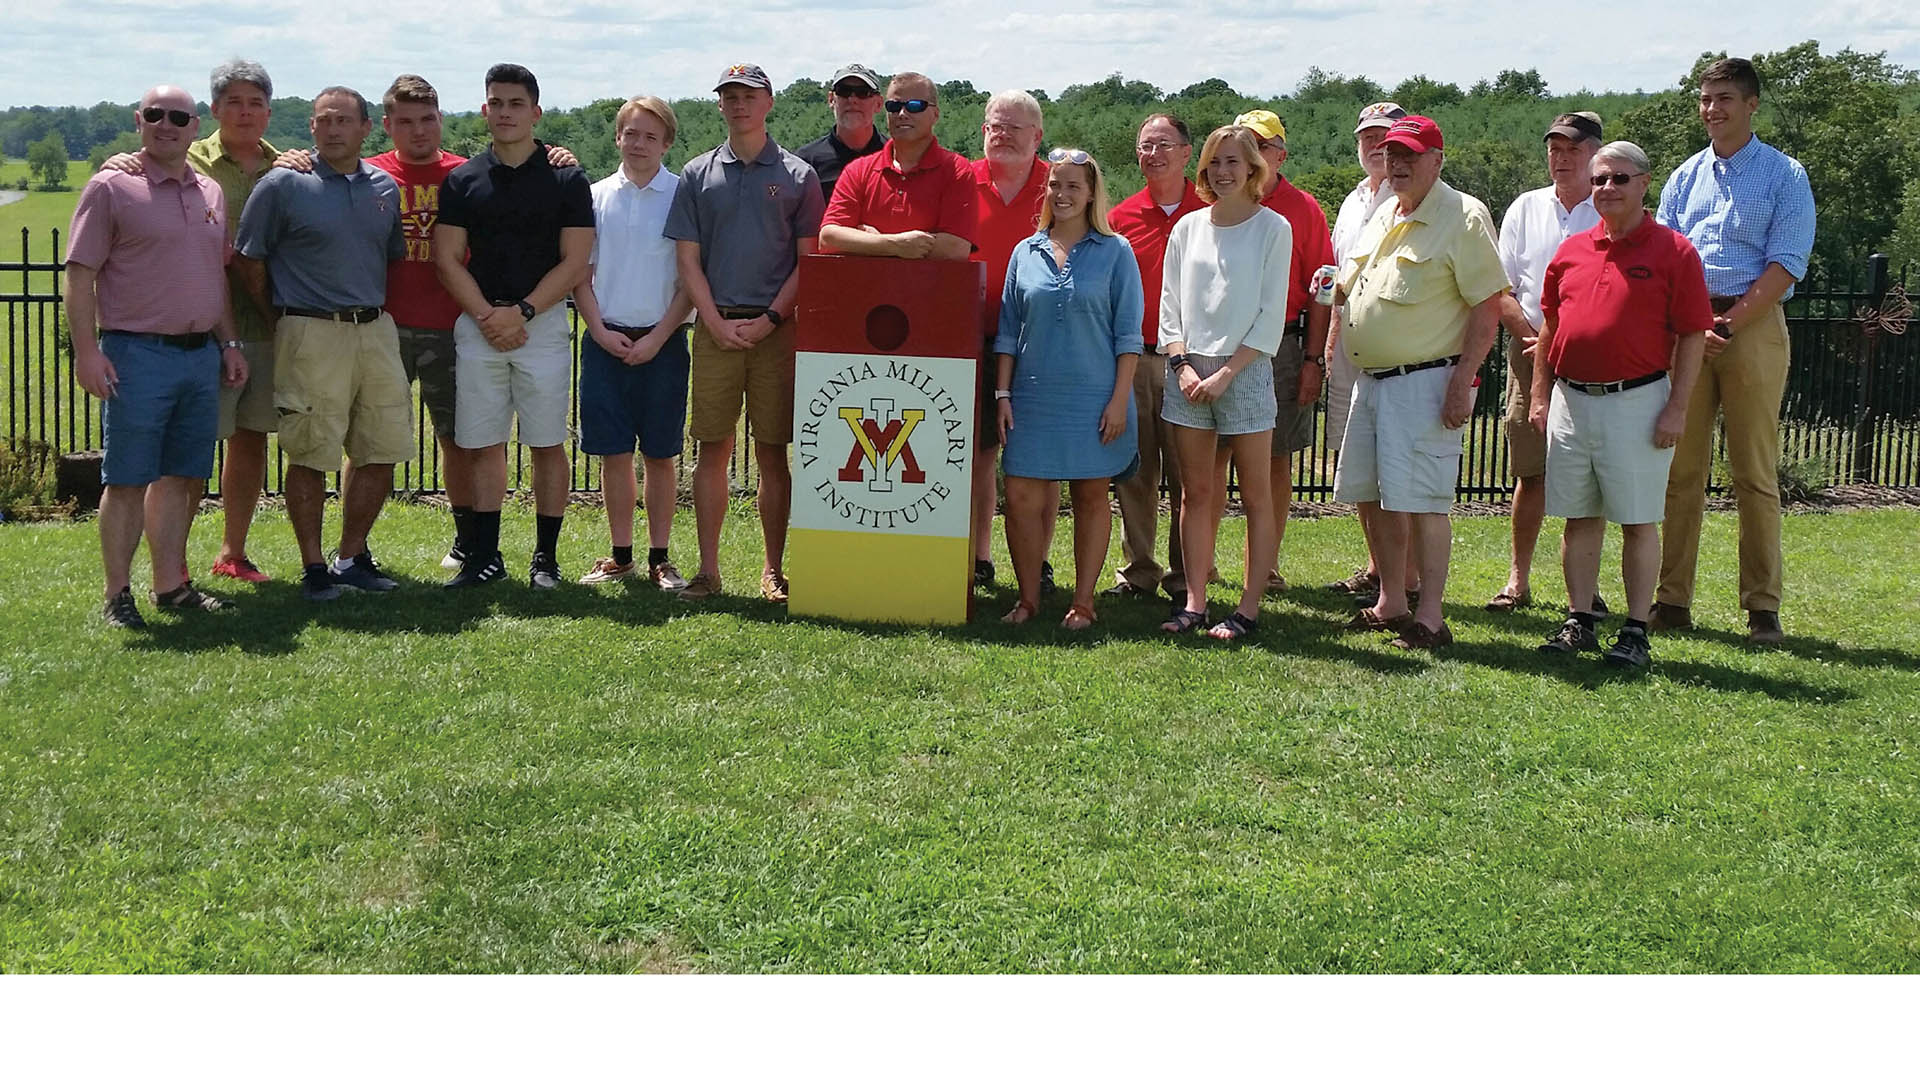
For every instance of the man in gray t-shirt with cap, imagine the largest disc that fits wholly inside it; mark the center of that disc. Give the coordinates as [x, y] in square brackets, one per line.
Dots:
[854, 96]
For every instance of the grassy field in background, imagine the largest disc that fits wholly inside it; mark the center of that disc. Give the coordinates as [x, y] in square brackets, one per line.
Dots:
[613, 780]
[39, 212]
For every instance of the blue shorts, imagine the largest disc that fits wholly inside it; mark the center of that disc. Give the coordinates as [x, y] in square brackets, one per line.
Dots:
[164, 416]
[621, 404]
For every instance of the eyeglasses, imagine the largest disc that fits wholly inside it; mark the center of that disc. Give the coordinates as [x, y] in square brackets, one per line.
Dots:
[912, 105]
[1064, 156]
[854, 89]
[1619, 179]
[180, 118]
[993, 126]
[1147, 149]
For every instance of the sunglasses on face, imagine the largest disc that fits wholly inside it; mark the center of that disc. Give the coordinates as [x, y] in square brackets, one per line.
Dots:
[179, 118]
[1063, 156]
[912, 105]
[854, 90]
[1619, 179]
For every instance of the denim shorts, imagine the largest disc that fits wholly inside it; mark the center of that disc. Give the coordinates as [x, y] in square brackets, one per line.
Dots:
[1246, 407]
[623, 403]
[165, 413]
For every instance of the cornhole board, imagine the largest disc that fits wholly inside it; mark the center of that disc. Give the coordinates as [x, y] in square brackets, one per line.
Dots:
[883, 437]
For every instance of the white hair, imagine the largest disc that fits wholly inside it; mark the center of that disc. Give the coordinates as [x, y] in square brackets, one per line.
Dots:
[1019, 101]
[1629, 153]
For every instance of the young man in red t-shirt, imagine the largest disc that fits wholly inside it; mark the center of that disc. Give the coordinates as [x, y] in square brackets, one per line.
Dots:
[1626, 315]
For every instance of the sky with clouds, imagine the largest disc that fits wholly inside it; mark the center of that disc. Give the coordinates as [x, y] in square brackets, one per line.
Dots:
[77, 52]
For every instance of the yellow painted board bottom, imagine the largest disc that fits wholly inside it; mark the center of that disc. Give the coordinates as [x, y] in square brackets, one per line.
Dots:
[877, 578]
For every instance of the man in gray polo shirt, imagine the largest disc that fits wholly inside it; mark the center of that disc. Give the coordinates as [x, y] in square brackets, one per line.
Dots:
[324, 239]
[743, 215]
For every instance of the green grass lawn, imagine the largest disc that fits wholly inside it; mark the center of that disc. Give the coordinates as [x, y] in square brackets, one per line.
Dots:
[611, 781]
[39, 212]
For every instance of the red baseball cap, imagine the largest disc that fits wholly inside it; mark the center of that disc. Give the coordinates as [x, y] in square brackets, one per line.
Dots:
[1416, 133]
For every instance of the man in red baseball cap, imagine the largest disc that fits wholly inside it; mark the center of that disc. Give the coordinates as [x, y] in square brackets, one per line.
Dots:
[1422, 293]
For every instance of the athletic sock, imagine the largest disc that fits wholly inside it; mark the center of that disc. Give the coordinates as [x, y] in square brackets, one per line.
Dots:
[623, 555]
[1586, 619]
[656, 556]
[462, 528]
[485, 534]
[342, 563]
[546, 533]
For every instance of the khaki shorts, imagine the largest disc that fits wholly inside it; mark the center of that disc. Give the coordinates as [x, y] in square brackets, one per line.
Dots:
[1601, 461]
[249, 406]
[340, 387]
[1292, 421]
[1397, 452]
[1526, 446]
[427, 356]
[534, 381]
[762, 376]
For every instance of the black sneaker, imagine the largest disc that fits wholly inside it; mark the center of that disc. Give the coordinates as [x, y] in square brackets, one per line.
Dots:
[121, 612]
[317, 584]
[1630, 649]
[1600, 606]
[475, 572]
[1572, 637]
[544, 573]
[1047, 587]
[982, 572]
[364, 574]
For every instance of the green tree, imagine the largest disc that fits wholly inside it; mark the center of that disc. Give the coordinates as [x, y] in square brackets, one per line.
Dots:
[1204, 88]
[1492, 171]
[1903, 246]
[47, 161]
[1330, 86]
[1422, 95]
[124, 143]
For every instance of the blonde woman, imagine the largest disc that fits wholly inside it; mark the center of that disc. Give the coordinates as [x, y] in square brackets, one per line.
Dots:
[1223, 308]
[1069, 338]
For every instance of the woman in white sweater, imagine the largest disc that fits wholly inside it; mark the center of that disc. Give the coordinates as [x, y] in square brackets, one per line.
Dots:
[1223, 307]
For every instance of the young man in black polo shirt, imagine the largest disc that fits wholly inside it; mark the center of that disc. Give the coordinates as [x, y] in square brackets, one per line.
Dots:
[854, 97]
[529, 229]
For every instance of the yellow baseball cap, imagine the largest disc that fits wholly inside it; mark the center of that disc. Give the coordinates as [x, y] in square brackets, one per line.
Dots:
[1263, 123]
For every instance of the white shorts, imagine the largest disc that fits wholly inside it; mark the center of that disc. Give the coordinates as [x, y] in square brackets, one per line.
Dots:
[533, 380]
[1601, 461]
[1396, 452]
[1341, 375]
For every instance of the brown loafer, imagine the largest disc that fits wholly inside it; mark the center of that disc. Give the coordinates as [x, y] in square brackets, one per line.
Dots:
[1417, 636]
[1506, 603]
[1763, 628]
[1670, 617]
[1365, 621]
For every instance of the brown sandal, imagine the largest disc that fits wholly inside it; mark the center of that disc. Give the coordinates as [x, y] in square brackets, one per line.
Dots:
[1365, 620]
[1022, 611]
[1506, 603]
[1078, 612]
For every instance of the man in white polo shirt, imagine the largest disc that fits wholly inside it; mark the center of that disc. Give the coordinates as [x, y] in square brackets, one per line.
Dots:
[633, 363]
[1537, 223]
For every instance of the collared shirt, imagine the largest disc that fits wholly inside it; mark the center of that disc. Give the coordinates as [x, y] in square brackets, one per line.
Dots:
[158, 246]
[415, 297]
[999, 226]
[830, 157]
[325, 236]
[1412, 282]
[1224, 286]
[1355, 211]
[1618, 305]
[513, 215]
[1535, 226]
[937, 196]
[1146, 226]
[1741, 213]
[1312, 246]
[634, 270]
[746, 216]
[209, 157]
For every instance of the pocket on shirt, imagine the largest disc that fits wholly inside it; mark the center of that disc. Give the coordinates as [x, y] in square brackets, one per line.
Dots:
[1411, 278]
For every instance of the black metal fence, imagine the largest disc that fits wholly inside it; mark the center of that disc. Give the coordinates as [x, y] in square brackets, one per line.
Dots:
[1851, 413]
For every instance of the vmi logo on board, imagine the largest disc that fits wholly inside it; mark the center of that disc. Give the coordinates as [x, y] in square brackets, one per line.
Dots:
[881, 445]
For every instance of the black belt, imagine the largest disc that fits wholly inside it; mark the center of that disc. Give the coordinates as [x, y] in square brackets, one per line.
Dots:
[1722, 304]
[196, 340]
[1599, 388]
[631, 333]
[742, 312]
[355, 315]
[1408, 369]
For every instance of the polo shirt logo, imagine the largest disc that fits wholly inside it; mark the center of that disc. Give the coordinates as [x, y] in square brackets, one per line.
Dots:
[212, 218]
[1639, 273]
[773, 191]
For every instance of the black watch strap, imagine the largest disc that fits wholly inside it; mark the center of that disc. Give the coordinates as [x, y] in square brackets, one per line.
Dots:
[774, 317]
[526, 311]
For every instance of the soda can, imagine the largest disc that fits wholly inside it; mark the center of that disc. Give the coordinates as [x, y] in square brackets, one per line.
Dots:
[1322, 285]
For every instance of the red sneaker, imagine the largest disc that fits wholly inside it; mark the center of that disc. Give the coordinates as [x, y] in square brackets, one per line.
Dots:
[242, 570]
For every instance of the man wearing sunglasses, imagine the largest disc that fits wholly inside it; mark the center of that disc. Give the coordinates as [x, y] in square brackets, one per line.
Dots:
[854, 97]
[913, 200]
[153, 338]
[1622, 304]
[325, 238]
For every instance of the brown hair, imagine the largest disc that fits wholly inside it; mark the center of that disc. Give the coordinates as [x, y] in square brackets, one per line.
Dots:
[647, 103]
[1737, 70]
[411, 89]
[1258, 171]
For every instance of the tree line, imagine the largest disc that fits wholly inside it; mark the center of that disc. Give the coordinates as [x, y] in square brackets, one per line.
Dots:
[1852, 118]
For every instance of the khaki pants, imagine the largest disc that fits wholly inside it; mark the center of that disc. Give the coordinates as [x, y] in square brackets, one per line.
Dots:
[1139, 497]
[1745, 383]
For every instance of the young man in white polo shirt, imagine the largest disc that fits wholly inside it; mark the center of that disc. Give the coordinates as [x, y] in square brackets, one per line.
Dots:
[633, 362]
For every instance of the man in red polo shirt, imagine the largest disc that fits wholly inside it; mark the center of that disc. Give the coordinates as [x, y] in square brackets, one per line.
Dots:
[1146, 218]
[1615, 300]
[913, 200]
[1301, 364]
[1010, 183]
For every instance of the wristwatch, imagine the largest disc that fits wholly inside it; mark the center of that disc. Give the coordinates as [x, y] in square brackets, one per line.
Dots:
[526, 310]
[774, 317]
[1320, 360]
[225, 345]
[1002, 395]
[1177, 361]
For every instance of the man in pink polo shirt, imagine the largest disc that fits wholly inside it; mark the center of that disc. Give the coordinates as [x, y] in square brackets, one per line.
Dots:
[153, 338]
[912, 200]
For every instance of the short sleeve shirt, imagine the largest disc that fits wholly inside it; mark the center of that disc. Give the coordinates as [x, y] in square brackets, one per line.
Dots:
[999, 225]
[937, 196]
[325, 236]
[513, 216]
[746, 216]
[159, 249]
[1618, 305]
[1147, 227]
[415, 296]
[1537, 223]
[830, 157]
[1312, 244]
[209, 157]
[635, 271]
[1412, 282]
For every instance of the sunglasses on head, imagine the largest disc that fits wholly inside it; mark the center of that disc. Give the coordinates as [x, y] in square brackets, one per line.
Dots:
[1619, 179]
[1064, 156]
[912, 105]
[854, 89]
[179, 118]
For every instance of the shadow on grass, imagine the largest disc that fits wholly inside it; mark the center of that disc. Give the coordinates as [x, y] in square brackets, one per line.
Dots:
[1588, 671]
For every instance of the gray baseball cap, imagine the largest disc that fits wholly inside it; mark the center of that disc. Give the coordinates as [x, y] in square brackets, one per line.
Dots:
[745, 75]
[855, 71]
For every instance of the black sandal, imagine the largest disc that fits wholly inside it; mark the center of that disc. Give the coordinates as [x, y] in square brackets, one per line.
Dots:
[1237, 626]
[188, 598]
[1183, 621]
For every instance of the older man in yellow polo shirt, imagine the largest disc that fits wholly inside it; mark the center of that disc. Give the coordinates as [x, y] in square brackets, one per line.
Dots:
[1421, 291]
